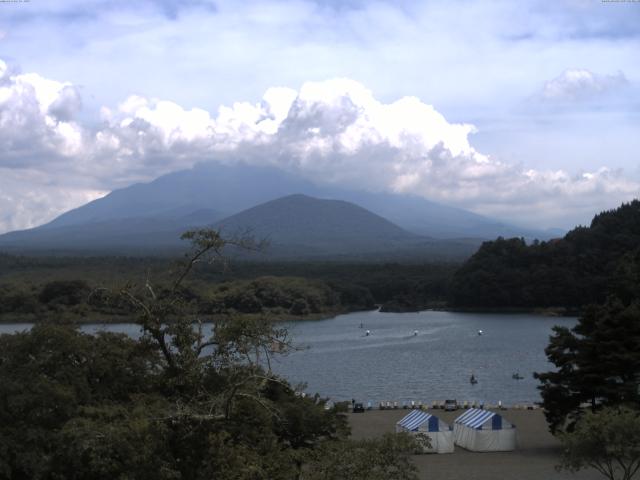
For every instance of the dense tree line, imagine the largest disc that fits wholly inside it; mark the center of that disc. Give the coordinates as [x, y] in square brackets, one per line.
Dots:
[586, 266]
[278, 297]
[35, 289]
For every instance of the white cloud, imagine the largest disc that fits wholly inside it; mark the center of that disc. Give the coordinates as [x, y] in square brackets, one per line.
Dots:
[334, 131]
[581, 84]
[36, 119]
[29, 198]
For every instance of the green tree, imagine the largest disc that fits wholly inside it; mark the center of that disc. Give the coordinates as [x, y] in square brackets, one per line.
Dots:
[48, 377]
[598, 363]
[64, 292]
[388, 457]
[608, 441]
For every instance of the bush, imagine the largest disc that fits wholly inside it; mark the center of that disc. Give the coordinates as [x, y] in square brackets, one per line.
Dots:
[65, 292]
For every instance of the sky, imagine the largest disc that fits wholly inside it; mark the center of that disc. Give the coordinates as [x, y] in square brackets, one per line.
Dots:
[526, 111]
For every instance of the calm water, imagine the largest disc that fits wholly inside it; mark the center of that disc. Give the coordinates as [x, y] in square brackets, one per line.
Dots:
[339, 361]
[393, 364]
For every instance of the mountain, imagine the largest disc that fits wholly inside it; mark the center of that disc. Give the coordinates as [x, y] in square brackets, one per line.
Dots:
[302, 226]
[295, 227]
[229, 189]
[148, 217]
[323, 224]
[586, 266]
[223, 189]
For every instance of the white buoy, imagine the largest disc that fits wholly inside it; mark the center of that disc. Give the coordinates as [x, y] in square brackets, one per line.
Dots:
[480, 332]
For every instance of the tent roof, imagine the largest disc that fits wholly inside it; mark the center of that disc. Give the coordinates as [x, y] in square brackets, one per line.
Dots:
[416, 419]
[475, 418]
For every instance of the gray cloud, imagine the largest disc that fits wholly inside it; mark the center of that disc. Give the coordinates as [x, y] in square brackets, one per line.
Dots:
[582, 85]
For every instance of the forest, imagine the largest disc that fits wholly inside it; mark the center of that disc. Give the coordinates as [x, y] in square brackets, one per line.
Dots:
[586, 266]
[64, 289]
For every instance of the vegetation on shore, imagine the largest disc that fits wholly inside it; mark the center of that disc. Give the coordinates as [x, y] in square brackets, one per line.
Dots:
[67, 289]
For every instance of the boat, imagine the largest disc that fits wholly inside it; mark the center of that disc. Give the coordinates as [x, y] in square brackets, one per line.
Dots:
[473, 379]
[415, 333]
[517, 376]
[367, 333]
[480, 332]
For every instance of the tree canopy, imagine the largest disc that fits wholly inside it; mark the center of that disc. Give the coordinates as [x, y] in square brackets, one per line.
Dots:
[608, 441]
[586, 266]
[598, 363]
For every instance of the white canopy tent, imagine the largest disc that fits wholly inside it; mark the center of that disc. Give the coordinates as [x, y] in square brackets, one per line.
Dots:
[440, 434]
[484, 431]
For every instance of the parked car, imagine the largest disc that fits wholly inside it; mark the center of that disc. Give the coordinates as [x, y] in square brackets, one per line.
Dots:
[450, 405]
[358, 408]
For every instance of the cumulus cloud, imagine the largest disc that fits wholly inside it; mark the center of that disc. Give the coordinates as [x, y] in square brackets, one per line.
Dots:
[36, 119]
[334, 131]
[579, 84]
[337, 131]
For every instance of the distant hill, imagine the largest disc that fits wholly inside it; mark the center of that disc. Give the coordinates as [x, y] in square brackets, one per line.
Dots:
[322, 225]
[302, 226]
[229, 189]
[586, 266]
[296, 227]
[148, 218]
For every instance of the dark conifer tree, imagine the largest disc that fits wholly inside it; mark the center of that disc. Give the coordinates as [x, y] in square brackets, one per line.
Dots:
[598, 363]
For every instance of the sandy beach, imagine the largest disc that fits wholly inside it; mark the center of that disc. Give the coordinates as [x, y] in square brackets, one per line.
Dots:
[535, 458]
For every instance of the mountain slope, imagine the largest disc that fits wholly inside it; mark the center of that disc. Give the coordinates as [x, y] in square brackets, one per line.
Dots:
[148, 218]
[225, 189]
[296, 227]
[324, 226]
[229, 189]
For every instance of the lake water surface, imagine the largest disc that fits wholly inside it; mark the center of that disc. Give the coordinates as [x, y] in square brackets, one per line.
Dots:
[337, 359]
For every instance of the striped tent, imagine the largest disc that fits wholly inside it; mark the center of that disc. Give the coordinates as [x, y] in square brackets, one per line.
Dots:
[440, 434]
[484, 431]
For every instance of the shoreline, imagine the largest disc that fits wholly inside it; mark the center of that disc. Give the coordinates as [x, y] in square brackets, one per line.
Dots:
[560, 312]
[543, 311]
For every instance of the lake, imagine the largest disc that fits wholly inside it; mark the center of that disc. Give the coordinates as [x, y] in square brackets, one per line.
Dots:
[337, 359]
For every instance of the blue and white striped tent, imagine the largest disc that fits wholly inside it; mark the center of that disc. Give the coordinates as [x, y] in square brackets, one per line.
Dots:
[484, 431]
[440, 434]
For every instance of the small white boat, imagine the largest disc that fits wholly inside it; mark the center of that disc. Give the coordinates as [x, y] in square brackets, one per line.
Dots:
[367, 333]
[480, 332]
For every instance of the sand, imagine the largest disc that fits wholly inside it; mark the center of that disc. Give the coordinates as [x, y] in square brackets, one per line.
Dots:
[535, 458]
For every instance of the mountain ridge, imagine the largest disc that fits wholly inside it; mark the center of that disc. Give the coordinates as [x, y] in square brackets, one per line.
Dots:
[229, 189]
[151, 216]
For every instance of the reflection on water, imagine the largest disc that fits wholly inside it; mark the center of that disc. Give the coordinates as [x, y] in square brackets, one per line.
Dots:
[338, 360]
